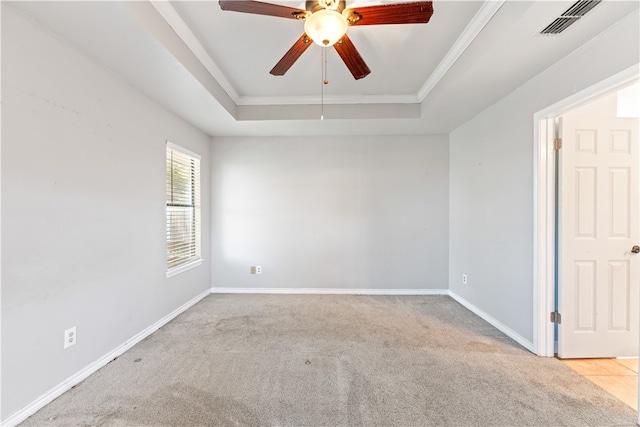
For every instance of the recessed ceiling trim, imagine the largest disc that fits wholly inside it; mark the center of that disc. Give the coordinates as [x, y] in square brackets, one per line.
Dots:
[184, 32]
[338, 112]
[475, 26]
[479, 21]
[482, 17]
[328, 99]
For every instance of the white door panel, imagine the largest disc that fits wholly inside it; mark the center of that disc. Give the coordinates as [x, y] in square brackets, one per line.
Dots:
[599, 224]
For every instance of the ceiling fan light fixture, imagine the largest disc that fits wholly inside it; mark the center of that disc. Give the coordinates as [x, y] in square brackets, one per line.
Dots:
[326, 27]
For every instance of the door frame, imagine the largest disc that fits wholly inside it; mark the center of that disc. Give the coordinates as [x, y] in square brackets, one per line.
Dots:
[544, 206]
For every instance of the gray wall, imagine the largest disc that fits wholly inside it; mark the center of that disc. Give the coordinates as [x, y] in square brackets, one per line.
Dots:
[83, 211]
[491, 180]
[330, 212]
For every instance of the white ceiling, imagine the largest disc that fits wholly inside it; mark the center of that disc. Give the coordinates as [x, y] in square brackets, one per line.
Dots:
[211, 67]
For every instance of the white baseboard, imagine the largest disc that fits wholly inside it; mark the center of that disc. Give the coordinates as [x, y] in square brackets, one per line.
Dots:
[493, 322]
[75, 379]
[328, 291]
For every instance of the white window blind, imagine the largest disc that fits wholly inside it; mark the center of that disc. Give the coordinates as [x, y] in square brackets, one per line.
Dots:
[183, 206]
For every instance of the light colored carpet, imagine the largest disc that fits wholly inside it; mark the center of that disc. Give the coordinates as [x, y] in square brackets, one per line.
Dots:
[332, 360]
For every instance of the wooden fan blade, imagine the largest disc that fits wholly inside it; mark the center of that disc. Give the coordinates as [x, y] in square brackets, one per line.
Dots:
[352, 58]
[291, 56]
[401, 13]
[260, 8]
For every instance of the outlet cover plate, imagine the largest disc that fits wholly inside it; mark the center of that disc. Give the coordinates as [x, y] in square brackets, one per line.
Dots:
[70, 337]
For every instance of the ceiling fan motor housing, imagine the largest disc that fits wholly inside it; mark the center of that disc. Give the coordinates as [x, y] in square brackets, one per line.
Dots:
[315, 5]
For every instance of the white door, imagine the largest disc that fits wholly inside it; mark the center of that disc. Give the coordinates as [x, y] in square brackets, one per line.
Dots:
[599, 224]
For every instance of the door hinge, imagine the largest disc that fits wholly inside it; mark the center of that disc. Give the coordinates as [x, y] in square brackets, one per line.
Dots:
[557, 144]
[555, 317]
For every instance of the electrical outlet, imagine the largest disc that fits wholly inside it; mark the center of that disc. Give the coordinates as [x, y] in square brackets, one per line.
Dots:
[464, 279]
[258, 269]
[253, 269]
[70, 336]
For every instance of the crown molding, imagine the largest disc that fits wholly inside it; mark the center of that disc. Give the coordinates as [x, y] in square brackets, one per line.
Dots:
[475, 26]
[479, 21]
[328, 99]
[191, 41]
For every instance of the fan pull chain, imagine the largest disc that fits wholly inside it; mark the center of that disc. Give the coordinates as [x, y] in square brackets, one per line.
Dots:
[325, 80]
[322, 71]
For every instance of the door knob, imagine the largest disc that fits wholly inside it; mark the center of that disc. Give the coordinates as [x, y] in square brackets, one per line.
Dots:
[635, 249]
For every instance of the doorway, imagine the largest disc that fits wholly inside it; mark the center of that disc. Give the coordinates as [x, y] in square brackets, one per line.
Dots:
[545, 203]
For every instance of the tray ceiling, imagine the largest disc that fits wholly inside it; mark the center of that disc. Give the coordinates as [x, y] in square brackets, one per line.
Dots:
[211, 67]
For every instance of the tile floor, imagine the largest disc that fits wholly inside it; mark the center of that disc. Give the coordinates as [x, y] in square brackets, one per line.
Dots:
[618, 377]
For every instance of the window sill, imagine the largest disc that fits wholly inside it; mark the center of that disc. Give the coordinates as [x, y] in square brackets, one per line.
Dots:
[184, 267]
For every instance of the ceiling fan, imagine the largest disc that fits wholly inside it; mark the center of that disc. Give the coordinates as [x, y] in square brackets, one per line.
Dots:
[326, 23]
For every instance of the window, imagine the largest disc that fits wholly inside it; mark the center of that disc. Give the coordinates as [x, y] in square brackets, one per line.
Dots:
[183, 209]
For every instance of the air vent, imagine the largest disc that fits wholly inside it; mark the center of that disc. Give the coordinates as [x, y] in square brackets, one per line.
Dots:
[559, 25]
[581, 8]
[570, 16]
